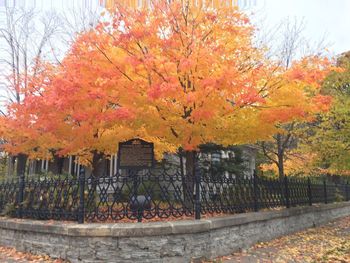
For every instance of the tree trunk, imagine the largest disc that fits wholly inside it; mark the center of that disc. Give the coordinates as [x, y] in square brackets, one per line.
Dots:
[188, 182]
[98, 164]
[98, 170]
[280, 156]
[56, 165]
[10, 164]
[21, 164]
[280, 165]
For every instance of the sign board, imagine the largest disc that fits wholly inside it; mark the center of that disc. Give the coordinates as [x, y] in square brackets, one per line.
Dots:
[135, 154]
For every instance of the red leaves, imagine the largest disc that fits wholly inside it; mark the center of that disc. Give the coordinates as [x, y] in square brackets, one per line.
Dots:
[80, 116]
[154, 92]
[249, 97]
[323, 103]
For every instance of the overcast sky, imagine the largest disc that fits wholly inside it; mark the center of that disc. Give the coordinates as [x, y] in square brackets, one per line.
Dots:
[329, 18]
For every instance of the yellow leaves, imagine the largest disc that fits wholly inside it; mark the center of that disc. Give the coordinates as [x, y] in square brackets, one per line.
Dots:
[201, 114]
[329, 243]
[295, 93]
[298, 163]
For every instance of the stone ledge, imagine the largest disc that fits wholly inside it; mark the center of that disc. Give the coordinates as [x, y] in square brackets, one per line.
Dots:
[158, 228]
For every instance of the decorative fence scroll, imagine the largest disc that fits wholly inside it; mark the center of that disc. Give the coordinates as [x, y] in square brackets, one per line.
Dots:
[159, 193]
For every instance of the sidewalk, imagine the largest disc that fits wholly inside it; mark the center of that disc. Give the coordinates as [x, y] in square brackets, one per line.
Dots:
[10, 255]
[328, 243]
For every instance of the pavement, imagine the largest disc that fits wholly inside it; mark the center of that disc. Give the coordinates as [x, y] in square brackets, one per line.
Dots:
[328, 243]
[10, 255]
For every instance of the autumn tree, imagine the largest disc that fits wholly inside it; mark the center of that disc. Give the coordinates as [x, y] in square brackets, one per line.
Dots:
[304, 74]
[23, 47]
[176, 74]
[192, 72]
[31, 37]
[328, 136]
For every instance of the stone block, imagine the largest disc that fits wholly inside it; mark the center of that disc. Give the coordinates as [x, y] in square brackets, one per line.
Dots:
[163, 242]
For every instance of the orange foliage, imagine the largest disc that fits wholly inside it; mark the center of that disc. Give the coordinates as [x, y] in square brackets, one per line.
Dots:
[296, 93]
[177, 76]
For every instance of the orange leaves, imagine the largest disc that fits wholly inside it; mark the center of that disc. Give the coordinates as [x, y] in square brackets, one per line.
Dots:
[201, 114]
[249, 97]
[295, 93]
[177, 76]
[185, 64]
[163, 89]
[310, 70]
[283, 114]
[115, 115]
[11, 254]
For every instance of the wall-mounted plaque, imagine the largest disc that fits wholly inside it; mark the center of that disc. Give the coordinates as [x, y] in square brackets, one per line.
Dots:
[135, 154]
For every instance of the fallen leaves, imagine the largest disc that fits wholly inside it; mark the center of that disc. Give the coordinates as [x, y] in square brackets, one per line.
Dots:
[8, 253]
[328, 243]
[167, 218]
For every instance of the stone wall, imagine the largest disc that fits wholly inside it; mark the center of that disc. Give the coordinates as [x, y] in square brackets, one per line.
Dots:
[178, 241]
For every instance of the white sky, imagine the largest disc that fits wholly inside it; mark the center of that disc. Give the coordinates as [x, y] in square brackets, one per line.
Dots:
[323, 18]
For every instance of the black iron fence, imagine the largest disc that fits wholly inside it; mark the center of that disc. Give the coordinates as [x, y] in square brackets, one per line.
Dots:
[157, 194]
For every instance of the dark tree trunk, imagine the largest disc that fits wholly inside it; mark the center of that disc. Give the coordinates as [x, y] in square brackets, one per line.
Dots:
[280, 156]
[21, 163]
[98, 164]
[56, 166]
[188, 182]
[11, 164]
[98, 170]
[280, 165]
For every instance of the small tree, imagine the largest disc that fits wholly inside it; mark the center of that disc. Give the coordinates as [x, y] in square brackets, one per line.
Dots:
[328, 136]
[25, 45]
[305, 75]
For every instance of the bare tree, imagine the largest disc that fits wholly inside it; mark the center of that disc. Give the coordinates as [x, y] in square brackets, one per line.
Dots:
[75, 21]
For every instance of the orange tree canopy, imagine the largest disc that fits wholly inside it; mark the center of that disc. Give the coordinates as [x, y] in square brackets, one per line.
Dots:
[110, 4]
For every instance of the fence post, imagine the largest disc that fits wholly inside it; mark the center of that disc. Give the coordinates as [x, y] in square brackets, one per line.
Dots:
[20, 195]
[81, 195]
[197, 203]
[255, 192]
[325, 190]
[286, 190]
[309, 193]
